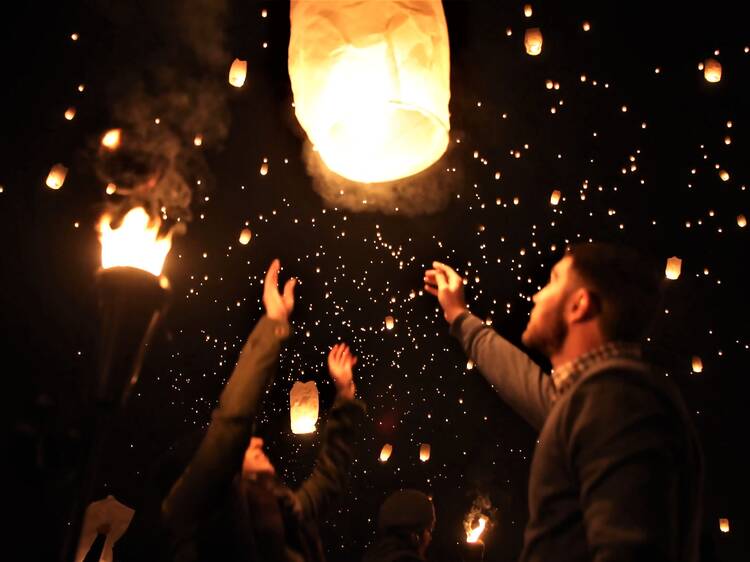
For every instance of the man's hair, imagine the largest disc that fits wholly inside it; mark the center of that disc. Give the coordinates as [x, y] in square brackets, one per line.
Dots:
[626, 285]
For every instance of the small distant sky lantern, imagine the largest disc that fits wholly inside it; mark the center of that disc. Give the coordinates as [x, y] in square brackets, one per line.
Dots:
[56, 176]
[741, 221]
[238, 73]
[245, 236]
[712, 70]
[264, 169]
[389, 322]
[385, 452]
[424, 452]
[555, 197]
[586, 26]
[528, 11]
[532, 40]
[371, 84]
[697, 364]
[724, 525]
[724, 175]
[111, 139]
[674, 267]
[303, 401]
[135, 243]
[70, 113]
[110, 189]
[198, 140]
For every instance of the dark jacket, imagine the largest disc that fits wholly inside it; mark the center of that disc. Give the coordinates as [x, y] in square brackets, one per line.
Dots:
[213, 513]
[617, 469]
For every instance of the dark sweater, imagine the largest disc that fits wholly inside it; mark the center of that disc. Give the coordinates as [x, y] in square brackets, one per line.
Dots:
[617, 470]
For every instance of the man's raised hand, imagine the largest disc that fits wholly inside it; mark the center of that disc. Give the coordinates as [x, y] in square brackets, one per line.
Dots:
[448, 286]
[278, 306]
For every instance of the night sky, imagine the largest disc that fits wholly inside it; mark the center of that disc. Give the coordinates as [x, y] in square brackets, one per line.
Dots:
[643, 150]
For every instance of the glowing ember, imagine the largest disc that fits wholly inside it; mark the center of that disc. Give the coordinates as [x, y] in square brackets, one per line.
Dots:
[712, 70]
[56, 176]
[70, 113]
[371, 85]
[532, 40]
[238, 73]
[674, 267]
[424, 452]
[475, 527]
[111, 139]
[385, 452]
[245, 236]
[135, 243]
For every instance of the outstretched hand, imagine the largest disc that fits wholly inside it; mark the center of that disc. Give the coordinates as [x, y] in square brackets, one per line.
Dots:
[448, 286]
[340, 364]
[278, 306]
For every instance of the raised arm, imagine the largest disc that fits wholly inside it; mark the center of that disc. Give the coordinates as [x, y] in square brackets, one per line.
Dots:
[219, 455]
[519, 381]
[330, 475]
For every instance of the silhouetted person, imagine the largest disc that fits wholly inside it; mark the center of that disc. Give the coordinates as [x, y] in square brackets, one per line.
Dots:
[228, 504]
[406, 521]
[617, 469]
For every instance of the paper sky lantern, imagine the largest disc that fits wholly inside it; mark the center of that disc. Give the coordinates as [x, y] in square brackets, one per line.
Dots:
[238, 73]
[724, 525]
[198, 140]
[111, 139]
[303, 401]
[389, 322]
[532, 40]
[712, 70]
[70, 113]
[528, 11]
[135, 243]
[424, 452]
[555, 197]
[56, 176]
[674, 267]
[741, 221]
[724, 175]
[371, 84]
[385, 452]
[697, 364]
[245, 236]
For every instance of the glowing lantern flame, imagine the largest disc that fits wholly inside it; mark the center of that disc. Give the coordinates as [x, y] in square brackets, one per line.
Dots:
[385, 452]
[424, 452]
[532, 40]
[389, 322]
[56, 176]
[111, 139]
[474, 532]
[303, 401]
[371, 83]
[555, 197]
[712, 70]
[697, 364]
[245, 236]
[238, 73]
[135, 243]
[674, 267]
[724, 525]
[70, 113]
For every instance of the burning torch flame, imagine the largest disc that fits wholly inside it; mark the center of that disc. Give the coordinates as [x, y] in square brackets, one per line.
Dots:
[135, 243]
[473, 533]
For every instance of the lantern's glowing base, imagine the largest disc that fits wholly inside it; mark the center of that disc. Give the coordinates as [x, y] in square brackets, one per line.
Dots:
[300, 427]
[386, 144]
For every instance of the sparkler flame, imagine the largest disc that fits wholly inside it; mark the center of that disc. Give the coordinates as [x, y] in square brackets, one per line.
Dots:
[136, 243]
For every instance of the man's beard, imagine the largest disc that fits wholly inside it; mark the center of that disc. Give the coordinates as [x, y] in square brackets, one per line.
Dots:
[549, 333]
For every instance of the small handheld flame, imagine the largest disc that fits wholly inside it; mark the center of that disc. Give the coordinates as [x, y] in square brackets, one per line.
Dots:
[474, 532]
[135, 243]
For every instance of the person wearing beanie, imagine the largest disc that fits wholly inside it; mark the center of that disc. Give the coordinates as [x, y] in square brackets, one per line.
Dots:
[406, 522]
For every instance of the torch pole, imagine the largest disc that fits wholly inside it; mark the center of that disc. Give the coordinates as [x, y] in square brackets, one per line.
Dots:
[131, 304]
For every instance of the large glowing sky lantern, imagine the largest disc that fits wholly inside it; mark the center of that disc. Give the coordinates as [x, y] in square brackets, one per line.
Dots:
[371, 84]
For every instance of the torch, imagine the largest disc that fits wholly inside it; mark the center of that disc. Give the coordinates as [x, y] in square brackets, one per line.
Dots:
[474, 525]
[133, 296]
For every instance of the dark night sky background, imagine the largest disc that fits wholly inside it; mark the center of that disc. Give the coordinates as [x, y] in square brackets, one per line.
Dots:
[357, 265]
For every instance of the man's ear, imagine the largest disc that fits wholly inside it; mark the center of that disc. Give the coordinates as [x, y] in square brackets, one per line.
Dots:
[582, 305]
